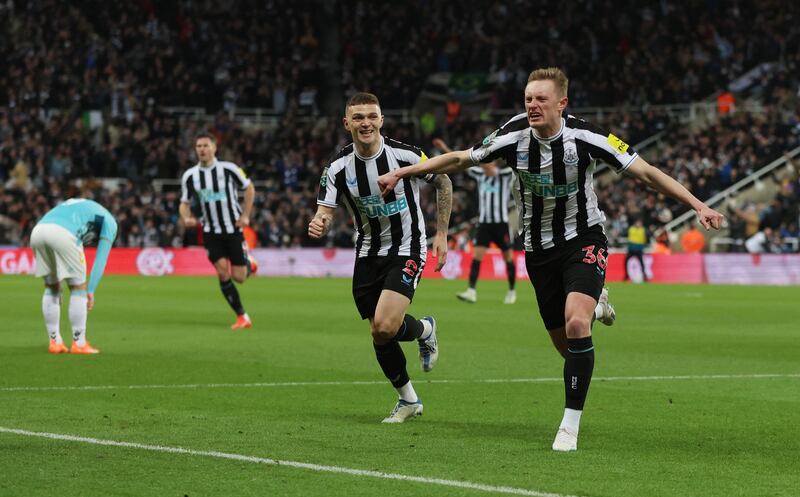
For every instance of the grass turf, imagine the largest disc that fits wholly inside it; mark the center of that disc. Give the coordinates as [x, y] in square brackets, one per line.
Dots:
[641, 435]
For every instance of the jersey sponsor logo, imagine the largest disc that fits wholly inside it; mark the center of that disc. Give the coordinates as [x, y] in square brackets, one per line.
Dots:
[208, 195]
[487, 187]
[542, 185]
[618, 144]
[522, 156]
[373, 206]
[571, 157]
[351, 181]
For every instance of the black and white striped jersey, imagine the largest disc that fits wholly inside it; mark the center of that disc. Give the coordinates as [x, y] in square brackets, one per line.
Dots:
[494, 193]
[216, 188]
[554, 192]
[390, 225]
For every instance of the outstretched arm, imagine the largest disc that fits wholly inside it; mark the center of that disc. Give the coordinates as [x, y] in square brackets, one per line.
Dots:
[445, 163]
[663, 183]
[444, 204]
[321, 223]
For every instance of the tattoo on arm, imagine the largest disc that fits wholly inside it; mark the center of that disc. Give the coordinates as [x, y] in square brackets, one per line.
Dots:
[444, 202]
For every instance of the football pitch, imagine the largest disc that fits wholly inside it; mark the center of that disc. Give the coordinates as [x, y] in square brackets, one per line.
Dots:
[696, 392]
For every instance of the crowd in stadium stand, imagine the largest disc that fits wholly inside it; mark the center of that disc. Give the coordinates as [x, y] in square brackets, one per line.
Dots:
[86, 92]
[626, 52]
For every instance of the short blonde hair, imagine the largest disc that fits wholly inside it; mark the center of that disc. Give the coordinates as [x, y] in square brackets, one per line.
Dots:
[554, 74]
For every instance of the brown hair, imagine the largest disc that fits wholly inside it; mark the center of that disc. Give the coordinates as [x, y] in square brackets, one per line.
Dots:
[555, 75]
[362, 98]
[206, 134]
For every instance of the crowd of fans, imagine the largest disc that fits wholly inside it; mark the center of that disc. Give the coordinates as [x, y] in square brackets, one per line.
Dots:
[628, 52]
[87, 95]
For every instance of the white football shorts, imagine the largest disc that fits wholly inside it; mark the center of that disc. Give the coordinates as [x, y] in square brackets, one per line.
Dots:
[58, 255]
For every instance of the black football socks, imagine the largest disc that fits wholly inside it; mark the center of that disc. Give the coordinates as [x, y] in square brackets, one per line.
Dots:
[232, 296]
[393, 362]
[410, 330]
[578, 367]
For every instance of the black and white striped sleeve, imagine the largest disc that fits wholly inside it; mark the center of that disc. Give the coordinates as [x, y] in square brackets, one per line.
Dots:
[237, 173]
[501, 143]
[410, 156]
[328, 189]
[603, 145]
[187, 187]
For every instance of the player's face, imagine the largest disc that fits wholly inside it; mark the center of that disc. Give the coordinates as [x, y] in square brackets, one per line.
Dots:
[544, 106]
[364, 123]
[205, 150]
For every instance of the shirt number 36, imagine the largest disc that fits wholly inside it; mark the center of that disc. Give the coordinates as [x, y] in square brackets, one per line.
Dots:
[599, 257]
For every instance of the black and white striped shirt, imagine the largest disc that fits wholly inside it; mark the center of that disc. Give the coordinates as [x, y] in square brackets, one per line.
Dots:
[216, 187]
[554, 193]
[390, 225]
[493, 194]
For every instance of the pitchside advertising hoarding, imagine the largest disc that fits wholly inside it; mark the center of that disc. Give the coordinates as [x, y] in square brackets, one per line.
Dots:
[766, 269]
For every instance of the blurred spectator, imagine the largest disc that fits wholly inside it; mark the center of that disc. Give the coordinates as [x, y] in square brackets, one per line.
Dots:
[637, 241]
[761, 242]
[692, 240]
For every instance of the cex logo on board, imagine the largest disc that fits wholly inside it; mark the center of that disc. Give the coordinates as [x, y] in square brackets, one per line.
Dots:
[154, 262]
[17, 262]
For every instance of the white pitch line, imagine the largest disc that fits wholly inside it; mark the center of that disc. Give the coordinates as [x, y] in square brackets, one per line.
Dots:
[292, 464]
[376, 382]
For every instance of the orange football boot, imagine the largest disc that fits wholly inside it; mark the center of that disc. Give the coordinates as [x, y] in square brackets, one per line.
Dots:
[57, 348]
[86, 349]
[242, 321]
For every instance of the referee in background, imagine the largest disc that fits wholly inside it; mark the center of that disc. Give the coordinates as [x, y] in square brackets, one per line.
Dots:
[215, 184]
[494, 192]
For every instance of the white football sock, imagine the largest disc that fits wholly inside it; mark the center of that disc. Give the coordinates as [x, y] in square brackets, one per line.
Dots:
[77, 316]
[427, 329]
[571, 420]
[598, 311]
[407, 392]
[51, 309]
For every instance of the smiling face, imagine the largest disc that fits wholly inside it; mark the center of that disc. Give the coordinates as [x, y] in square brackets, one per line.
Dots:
[364, 122]
[544, 105]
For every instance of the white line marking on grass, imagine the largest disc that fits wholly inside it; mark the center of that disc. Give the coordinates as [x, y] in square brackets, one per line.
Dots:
[356, 383]
[292, 464]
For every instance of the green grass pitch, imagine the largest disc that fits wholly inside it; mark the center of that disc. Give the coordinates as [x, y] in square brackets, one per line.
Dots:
[696, 392]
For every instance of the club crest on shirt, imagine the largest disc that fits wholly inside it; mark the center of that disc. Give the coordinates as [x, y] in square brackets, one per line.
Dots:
[571, 157]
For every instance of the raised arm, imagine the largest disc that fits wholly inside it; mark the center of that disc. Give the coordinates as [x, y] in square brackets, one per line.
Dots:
[663, 183]
[444, 205]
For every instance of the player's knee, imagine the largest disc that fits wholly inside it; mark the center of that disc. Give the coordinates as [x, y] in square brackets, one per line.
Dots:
[239, 277]
[578, 326]
[384, 329]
